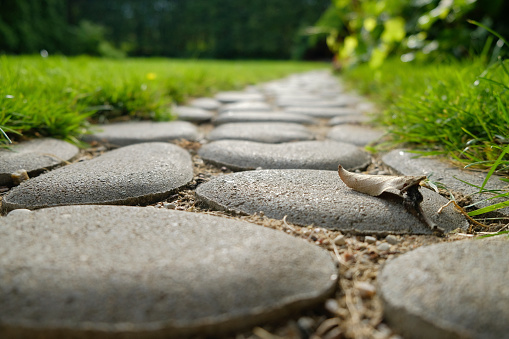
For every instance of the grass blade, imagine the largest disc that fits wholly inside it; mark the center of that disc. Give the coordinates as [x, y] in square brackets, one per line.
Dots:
[489, 30]
[494, 167]
[490, 208]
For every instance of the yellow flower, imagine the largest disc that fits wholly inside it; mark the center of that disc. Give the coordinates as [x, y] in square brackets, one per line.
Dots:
[151, 76]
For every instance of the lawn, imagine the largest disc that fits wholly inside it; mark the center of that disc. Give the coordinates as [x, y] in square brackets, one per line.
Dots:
[456, 109]
[58, 96]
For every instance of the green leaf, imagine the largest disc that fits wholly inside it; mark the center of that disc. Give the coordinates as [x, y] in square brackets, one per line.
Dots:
[490, 208]
[394, 30]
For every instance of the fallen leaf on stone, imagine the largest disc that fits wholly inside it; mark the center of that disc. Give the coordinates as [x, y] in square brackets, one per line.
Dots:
[406, 187]
[377, 184]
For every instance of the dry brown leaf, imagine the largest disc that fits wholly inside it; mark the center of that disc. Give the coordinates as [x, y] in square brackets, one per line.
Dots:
[377, 184]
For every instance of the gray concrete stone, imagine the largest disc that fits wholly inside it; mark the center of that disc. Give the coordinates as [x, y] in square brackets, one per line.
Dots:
[205, 103]
[349, 119]
[354, 134]
[322, 112]
[233, 117]
[137, 174]
[247, 155]
[320, 198]
[243, 106]
[409, 164]
[449, 290]
[134, 272]
[261, 132]
[128, 133]
[34, 156]
[313, 104]
[233, 96]
[193, 114]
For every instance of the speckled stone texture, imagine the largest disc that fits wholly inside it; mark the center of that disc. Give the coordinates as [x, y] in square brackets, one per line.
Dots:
[234, 117]
[137, 174]
[450, 290]
[354, 134]
[320, 198]
[261, 132]
[351, 119]
[34, 156]
[128, 133]
[247, 155]
[132, 272]
[410, 164]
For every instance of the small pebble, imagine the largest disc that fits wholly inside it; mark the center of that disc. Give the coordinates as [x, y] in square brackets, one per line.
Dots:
[19, 176]
[169, 205]
[365, 289]
[332, 306]
[340, 240]
[392, 239]
[369, 239]
[306, 324]
[383, 247]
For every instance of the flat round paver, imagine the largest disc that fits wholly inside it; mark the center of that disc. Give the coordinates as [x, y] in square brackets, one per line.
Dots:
[234, 96]
[243, 106]
[247, 155]
[352, 119]
[261, 132]
[118, 271]
[322, 112]
[233, 117]
[209, 104]
[313, 104]
[193, 114]
[354, 134]
[128, 133]
[34, 156]
[137, 174]
[320, 198]
[449, 290]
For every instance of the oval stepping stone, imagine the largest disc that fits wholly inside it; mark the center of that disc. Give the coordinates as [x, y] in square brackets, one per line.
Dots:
[314, 104]
[449, 290]
[205, 103]
[233, 96]
[247, 155]
[231, 117]
[34, 156]
[84, 271]
[243, 106]
[349, 119]
[137, 174]
[320, 198]
[193, 114]
[354, 134]
[408, 163]
[322, 112]
[128, 133]
[261, 132]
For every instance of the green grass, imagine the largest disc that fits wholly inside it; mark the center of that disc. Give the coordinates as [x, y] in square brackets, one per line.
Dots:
[59, 96]
[459, 110]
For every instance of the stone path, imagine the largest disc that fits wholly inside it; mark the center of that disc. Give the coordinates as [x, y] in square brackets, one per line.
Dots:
[71, 266]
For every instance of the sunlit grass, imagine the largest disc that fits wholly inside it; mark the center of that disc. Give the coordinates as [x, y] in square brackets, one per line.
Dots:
[58, 96]
[459, 110]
